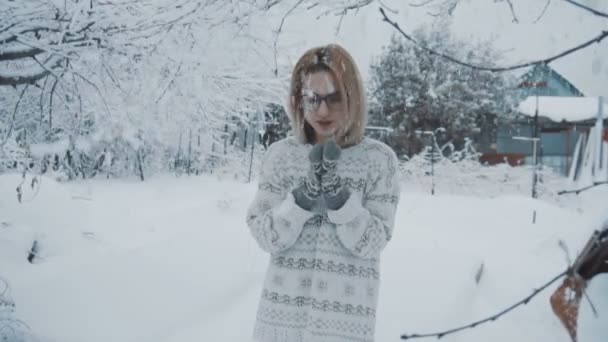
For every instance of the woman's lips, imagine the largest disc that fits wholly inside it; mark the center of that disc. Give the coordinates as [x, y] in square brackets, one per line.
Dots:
[324, 124]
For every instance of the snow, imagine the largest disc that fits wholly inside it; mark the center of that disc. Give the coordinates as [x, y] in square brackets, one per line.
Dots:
[562, 108]
[171, 259]
[58, 147]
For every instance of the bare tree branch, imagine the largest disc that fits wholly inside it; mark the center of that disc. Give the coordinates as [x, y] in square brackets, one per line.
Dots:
[162, 26]
[491, 318]
[278, 32]
[77, 92]
[392, 10]
[50, 68]
[548, 60]
[103, 99]
[421, 4]
[4, 29]
[50, 48]
[175, 75]
[343, 10]
[42, 101]
[578, 191]
[587, 8]
[51, 106]
[35, 30]
[543, 11]
[270, 4]
[112, 77]
[515, 20]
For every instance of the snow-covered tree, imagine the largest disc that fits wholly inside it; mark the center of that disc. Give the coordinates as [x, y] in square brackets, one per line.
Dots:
[413, 90]
[113, 85]
[117, 88]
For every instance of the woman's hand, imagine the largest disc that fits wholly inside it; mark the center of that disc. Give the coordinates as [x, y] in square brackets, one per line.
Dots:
[307, 195]
[335, 193]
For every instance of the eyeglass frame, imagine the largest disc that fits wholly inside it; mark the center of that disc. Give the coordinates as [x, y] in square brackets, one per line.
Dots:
[318, 99]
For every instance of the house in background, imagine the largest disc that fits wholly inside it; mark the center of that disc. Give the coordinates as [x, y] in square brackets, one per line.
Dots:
[563, 115]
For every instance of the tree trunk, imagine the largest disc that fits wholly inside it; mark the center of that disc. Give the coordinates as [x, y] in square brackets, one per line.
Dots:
[140, 165]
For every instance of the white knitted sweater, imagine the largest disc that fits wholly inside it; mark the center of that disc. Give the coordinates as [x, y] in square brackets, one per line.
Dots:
[323, 277]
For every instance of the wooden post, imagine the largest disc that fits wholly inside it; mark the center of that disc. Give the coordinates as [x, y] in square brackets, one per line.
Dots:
[568, 131]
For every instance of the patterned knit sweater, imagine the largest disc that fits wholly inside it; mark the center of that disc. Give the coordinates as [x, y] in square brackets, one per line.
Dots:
[322, 281]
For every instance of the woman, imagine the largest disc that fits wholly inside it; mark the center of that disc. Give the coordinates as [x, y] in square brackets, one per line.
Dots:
[324, 209]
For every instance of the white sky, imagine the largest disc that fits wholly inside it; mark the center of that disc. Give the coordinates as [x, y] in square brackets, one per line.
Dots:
[563, 26]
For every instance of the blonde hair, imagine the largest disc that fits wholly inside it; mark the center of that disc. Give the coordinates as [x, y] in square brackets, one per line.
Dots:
[338, 62]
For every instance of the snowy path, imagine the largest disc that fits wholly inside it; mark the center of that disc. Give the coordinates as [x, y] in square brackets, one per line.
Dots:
[180, 266]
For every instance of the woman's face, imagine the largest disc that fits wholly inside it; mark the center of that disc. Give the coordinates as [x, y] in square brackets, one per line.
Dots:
[323, 105]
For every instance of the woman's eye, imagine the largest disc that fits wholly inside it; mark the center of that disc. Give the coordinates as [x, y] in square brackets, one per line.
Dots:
[334, 98]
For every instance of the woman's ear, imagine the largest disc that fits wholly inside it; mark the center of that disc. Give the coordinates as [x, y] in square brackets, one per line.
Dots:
[292, 102]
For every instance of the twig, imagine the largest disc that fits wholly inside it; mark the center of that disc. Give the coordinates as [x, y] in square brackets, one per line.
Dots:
[591, 304]
[79, 98]
[578, 191]
[82, 198]
[342, 15]
[276, 40]
[515, 20]
[51, 106]
[49, 69]
[167, 26]
[4, 29]
[12, 126]
[491, 318]
[270, 4]
[548, 60]
[179, 67]
[344, 10]
[563, 246]
[587, 8]
[543, 12]
[392, 10]
[421, 4]
[42, 100]
[96, 88]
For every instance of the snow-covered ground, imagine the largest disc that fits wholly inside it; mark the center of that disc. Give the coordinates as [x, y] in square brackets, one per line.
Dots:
[171, 260]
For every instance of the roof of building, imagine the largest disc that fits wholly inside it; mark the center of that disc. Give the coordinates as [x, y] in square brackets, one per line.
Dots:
[560, 108]
[544, 69]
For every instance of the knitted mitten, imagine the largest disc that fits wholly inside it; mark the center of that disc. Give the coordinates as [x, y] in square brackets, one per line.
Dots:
[307, 194]
[335, 193]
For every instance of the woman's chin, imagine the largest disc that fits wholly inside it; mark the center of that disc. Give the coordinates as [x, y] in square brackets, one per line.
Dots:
[325, 136]
[327, 131]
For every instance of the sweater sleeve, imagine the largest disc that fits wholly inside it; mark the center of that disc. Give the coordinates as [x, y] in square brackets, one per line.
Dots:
[365, 225]
[274, 219]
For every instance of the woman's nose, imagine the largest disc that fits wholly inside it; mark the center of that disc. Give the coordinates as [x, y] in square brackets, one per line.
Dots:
[323, 111]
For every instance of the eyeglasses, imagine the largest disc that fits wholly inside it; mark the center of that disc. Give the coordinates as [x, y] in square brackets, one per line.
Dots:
[311, 103]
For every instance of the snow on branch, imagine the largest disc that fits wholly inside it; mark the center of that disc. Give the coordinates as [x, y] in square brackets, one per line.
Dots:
[596, 39]
[31, 74]
[13, 54]
[17, 79]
